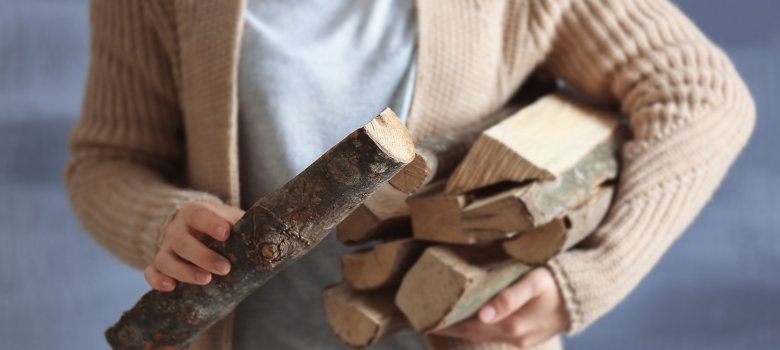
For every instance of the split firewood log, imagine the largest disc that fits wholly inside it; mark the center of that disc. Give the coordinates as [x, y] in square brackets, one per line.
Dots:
[540, 142]
[382, 265]
[361, 318]
[538, 245]
[450, 283]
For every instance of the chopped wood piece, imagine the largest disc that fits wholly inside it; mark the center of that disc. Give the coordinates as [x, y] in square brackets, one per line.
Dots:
[361, 318]
[277, 230]
[449, 284]
[540, 142]
[537, 246]
[383, 215]
[381, 265]
[546, 200]
[521, 208]
[417, 174]
[498, 216]
[436, 216]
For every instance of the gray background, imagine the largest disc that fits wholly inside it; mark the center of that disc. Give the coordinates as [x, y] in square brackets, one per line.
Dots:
[717, 288]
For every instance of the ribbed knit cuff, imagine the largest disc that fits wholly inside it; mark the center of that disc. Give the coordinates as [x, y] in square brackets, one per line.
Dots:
[434, 342]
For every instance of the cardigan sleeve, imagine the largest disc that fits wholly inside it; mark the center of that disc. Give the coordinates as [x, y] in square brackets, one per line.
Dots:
[127, 147]
[690, 115]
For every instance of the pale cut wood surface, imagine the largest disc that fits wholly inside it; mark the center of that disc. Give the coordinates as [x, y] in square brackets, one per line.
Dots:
[506, 213]
[450, 283]
[361, 318]
[436, 216]
[381, 265]
[382, 215]
[539, 142]
[416, 174]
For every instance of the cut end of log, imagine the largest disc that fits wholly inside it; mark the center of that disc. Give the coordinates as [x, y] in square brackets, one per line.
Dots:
[416, 174]
[436, 216]
[360, 319]
[450, 283]
[539, 142]
[358, 227]
[382, 265]
[392, 137]
[363, 225]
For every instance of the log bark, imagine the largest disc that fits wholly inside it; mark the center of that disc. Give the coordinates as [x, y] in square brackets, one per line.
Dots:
[538, 245]
[361, 318]
[540, 142]
[509, 212]
[382, 265]
[450, 283]
[277, 230]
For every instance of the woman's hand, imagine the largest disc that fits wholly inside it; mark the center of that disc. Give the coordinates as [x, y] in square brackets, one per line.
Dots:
[183, 256]
[524, 314]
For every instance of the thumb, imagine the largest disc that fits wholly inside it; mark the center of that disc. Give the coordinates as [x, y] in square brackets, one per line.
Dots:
[508, 301]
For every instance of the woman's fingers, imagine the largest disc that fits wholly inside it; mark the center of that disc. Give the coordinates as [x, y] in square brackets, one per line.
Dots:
[203, 219]
[158, 280]
[172, 266]
[190, 249]
[508, 301]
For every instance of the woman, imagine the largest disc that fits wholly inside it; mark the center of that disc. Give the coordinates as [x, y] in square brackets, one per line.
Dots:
[177, 132]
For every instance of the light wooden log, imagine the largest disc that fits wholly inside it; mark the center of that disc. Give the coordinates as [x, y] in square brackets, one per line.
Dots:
[383, 215]
[361, 318]
[382, 265]
[277, 230]
[436, 216]
[417, 174]
[524, 207]
[538, 245]
[540, 142]
[438, 156]
[450, 283]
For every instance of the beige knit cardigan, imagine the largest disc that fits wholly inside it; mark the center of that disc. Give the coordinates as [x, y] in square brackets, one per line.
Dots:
[158, 127]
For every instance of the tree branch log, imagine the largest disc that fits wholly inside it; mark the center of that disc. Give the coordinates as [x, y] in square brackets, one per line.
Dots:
[277, 230]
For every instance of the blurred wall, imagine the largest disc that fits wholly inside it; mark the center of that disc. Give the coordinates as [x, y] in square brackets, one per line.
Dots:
[717, 288]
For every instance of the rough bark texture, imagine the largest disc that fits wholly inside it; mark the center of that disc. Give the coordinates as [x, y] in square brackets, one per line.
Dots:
[382, 265]
[546, 200]
[361, 318]
[449, 284]
[278, 229]
[509, 212]
[538, 245]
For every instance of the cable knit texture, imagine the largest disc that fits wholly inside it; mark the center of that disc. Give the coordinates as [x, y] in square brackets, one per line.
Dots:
[158, 127]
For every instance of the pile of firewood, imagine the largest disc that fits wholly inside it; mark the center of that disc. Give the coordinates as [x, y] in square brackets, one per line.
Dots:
[471, 214]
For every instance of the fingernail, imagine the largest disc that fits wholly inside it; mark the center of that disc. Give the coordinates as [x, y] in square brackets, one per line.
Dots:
[222, 266]
[222, 232]
[487, 313]
[167, 284]
[202, 277]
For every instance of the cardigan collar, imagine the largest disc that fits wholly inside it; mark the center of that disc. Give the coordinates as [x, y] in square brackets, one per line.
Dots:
[209, 35]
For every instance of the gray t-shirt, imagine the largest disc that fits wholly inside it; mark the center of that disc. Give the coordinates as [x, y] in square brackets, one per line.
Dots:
[310, 72]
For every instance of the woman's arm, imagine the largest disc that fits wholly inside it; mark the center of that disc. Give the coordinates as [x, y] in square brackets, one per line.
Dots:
[690, 114]
[127, 150]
